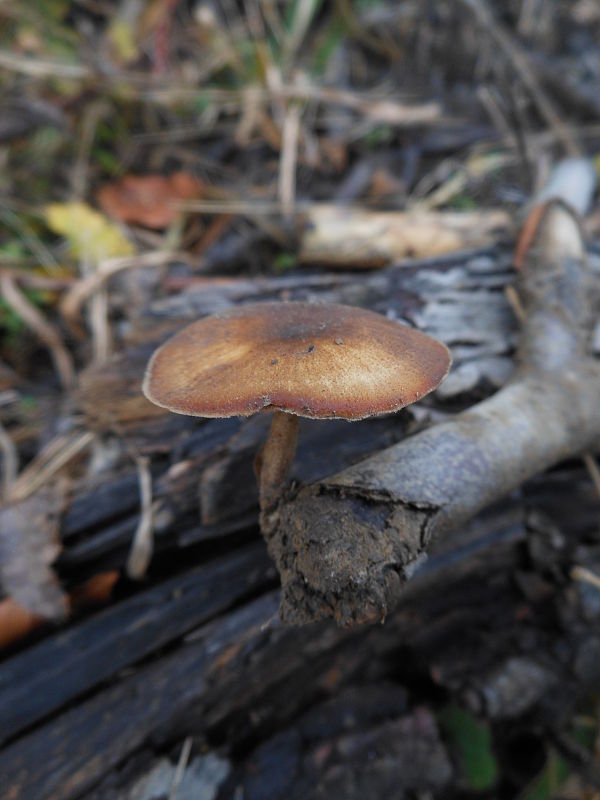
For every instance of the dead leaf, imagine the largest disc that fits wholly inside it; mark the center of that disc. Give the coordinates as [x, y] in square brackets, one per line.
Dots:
[384, 184]
[96, 591]
[122, 37]
[148, 200]
[89, 234]
[333, 153]
[29, 544]
[16, 622]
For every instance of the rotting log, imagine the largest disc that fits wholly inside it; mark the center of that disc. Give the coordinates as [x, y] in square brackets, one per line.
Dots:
[64, 667]
[240, 676]
[235, 681]
[204, 486]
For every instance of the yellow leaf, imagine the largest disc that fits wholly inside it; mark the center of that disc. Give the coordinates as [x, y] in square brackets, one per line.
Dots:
[90, 234]
[122, 37]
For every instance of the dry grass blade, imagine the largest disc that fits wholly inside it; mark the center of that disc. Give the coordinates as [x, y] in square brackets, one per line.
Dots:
[585, 575]
[384, 110]
[181, 765]
[514, 301]
[47, 332]
[142, 547]
[53, 457]
[42, 68]
[85, 287]
[476, 168]
[248, 208]
[288, 160]
[101, 337]
[593, 470]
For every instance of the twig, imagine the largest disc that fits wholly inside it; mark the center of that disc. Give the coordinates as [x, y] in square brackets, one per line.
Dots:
[585, 575]
[490, 104]
[53, 457]
[47, 332]
[246, 207]
[101, 337]
[42, 68]
[97, 315]
[84, 288]
[358, 237]
[382, 109]
[26, 278]
[592, 468]
[142, 546]
[181, 765]
[288, 159]
[477, 167]
[515, 303]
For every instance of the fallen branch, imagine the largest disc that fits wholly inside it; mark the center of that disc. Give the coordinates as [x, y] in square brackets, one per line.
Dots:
[345, 545]
[352, 237]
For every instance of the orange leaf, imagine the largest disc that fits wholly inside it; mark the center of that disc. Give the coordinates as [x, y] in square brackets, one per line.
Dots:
[148, 200]
[95, 591]
[16, 622]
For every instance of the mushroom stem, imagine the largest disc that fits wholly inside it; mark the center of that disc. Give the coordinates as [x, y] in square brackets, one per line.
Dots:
[277, 457]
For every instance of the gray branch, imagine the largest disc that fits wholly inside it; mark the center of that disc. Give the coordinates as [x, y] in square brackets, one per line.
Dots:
[345, 545]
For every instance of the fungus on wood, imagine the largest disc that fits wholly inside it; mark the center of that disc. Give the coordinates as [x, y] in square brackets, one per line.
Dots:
[296, 360]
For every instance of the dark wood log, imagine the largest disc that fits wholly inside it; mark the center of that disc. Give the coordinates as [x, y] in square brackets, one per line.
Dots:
[362, 743]
[234, 679]
[196, 464]
[60, 669]
[242, 675]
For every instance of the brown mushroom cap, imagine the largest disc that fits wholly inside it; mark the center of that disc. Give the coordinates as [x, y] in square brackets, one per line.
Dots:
[306, 359]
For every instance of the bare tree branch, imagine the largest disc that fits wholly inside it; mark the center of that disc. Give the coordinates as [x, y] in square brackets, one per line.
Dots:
[345, 545]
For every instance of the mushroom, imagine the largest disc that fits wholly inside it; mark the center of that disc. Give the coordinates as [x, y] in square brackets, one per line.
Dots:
[296, 360]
